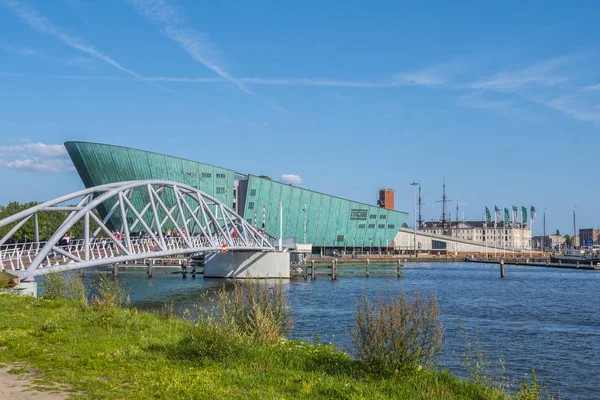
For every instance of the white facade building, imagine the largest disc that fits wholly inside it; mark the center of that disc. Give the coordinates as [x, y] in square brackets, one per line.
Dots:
[515, 236]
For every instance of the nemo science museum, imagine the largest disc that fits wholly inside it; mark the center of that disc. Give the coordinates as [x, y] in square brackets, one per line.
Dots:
[331, 224]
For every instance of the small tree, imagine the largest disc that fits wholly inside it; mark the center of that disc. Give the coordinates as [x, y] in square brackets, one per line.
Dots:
[568, 240]
[557, 232]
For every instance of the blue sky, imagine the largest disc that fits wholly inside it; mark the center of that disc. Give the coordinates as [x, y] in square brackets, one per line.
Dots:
[500, 99]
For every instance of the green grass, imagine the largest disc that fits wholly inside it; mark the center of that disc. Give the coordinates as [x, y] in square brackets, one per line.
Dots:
[124, 353]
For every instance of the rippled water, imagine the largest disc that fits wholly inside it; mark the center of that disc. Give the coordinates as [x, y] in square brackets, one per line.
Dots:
[545, 319]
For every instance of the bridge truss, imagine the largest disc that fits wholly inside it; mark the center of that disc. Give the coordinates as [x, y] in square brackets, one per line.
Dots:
[153, 218]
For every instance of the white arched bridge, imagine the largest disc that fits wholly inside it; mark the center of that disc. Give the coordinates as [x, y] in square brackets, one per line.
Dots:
[123, 222]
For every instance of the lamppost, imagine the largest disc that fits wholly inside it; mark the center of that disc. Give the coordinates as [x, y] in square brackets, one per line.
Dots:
[304, 223]
[415, 184]
[574, 230]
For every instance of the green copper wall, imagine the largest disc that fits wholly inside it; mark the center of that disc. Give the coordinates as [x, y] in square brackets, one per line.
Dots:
[327, 217]
[99, 164]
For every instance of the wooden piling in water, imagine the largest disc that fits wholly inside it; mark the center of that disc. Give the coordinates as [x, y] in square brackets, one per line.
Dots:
[184, 269]
[398, 269]
[367, 268]
[149, 265]
[80, 273]
[312, 270]
[194, 271]
[115, 271]
[501, 269]
[333, 270]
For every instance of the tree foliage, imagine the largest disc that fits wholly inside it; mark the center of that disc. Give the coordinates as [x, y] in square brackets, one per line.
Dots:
[48, 223]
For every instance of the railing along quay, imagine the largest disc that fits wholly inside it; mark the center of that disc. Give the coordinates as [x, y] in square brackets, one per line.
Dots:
[334, 268]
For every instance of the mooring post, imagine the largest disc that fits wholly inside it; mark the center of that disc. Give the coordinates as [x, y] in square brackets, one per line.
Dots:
[115, 270]
[333, 270]
[149, 265]
[367, 268]
[502, 269]
[184, 269]
[305, 271]
[577, 264]
[194, 271]
[312, 270]
[398, 269]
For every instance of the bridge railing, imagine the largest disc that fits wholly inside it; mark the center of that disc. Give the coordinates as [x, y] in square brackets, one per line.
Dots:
[19, 255]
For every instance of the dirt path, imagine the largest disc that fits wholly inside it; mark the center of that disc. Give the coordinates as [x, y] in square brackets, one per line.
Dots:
[19, 386]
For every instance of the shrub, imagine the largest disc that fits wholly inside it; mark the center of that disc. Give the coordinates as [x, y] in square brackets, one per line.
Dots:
[53, 286]
[74, 289]
[397, 333]
[111, 293]
[255, 309]
[4, 278]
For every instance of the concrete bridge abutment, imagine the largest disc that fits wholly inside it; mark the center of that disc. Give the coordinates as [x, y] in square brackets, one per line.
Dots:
[248, 264]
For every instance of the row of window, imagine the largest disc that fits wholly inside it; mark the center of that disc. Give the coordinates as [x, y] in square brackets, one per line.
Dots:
[220, 190]
[220, 176]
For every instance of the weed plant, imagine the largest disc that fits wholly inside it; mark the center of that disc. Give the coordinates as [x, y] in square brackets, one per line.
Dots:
[254, 309]
[400, 333]
[53, 287]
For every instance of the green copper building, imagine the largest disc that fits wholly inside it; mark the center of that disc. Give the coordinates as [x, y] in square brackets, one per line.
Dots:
[327, 221]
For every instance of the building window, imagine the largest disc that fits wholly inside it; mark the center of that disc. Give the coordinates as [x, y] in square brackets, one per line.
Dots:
[390, 226]
[220, 190]
[340, 238]
[381, 226]
[438, 245]
[252, 192]
[249, 220]
[361, 226]
[373, 216]
[251, 205]
[206, 174]
[382, 216]
[371, 226]
[358, 214]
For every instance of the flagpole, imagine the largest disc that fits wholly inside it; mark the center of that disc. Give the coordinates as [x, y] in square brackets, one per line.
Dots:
[503, 233]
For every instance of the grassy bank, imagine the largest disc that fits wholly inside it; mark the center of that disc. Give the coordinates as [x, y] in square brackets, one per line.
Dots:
[125, 353]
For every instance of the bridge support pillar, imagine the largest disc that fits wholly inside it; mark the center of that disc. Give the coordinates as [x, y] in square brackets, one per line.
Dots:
[27, 288]
[115, 271]
[248, 264]
[149, 264]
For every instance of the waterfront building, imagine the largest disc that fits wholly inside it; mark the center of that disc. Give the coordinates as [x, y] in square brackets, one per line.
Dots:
[325, 221]
[592, 234]
[514, 235]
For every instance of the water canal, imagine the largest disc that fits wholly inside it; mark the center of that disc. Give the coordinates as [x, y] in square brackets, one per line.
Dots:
[545, 319]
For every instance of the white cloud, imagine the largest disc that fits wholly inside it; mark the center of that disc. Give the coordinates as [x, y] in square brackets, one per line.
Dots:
[291, 178]
[44, 25]
[157, 10]
[423, 78]
[543, 73]
[39, 157]
[30, 52]
[195, 43]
